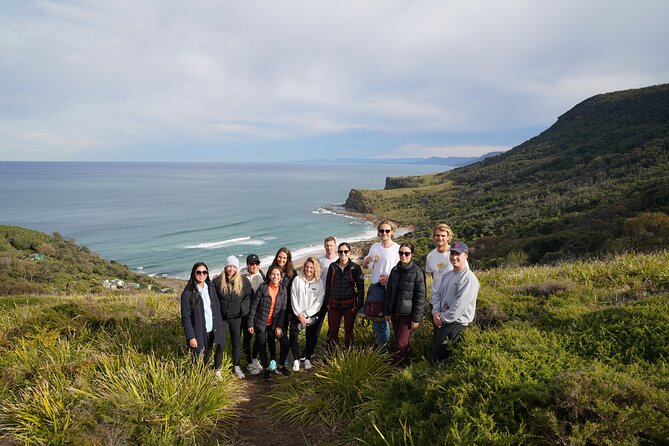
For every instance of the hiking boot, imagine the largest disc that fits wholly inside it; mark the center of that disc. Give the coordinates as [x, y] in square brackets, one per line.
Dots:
[239, 373]
[296, 365]
[282, 371]
[272, 365]
[307, 364]
[267, 375]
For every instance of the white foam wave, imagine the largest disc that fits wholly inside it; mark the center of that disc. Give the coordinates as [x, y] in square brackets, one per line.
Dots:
[229, 242]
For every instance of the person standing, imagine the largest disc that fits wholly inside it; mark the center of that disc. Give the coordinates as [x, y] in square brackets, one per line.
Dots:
[382, 257]
[453, 302]
[437, 262]
[344, 295]
[255, 276]
[284, 260]
[314, 330]
[268, 310]
[330, 246]
[307, 295]
[405, 299]
[201, 317]
[234, 292]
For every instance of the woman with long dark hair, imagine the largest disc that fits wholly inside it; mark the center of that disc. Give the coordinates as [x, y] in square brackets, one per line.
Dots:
[268, 310]
[201, 316]
[234, 292]
[284, 260]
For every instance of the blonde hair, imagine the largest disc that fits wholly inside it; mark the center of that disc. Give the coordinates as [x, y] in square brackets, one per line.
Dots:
[233, 284]
[392, 225]
[444, 228]
[317, 267]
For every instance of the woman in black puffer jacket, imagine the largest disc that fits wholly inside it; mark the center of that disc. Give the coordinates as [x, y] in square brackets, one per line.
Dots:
[405, 299]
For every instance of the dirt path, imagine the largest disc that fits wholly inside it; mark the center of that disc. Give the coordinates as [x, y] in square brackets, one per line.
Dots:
[255, 426]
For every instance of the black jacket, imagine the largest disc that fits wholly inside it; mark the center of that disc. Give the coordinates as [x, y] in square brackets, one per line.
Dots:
[405, 292]
[192, 318]
[344, 289]
[260, 305]
[234, 305]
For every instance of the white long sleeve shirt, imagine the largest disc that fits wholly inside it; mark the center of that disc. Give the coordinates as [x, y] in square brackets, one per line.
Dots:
[456, 297]
[307, 297]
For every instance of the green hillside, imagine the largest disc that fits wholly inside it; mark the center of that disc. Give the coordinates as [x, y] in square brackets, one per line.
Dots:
[36, 263]
[596, 181]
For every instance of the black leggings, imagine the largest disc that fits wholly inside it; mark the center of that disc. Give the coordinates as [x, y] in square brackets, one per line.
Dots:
[267, 337]
[234, 327]
[206, 354]
[311, 334]
[249, 354]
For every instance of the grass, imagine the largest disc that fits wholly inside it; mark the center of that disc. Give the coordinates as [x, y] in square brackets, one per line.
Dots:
[569, 354]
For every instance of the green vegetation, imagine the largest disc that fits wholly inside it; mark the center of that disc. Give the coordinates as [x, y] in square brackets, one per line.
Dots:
[110, 370]
[576, 353]
[596, 182]
[32, 262]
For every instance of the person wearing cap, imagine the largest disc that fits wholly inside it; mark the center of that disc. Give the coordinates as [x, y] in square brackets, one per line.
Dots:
[256, 276]
[234, 293]
[453, 302]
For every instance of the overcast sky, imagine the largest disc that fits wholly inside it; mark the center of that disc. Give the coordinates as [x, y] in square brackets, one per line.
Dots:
[217, 80]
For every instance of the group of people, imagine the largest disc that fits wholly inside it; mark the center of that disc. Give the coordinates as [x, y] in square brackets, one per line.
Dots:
[281, 303]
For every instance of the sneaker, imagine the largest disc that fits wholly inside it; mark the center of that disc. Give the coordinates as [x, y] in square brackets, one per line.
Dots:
[267, 375]
[219, 375]
[272, 365]
[307, 364]
[239, 373]
[296, 365]
[282, 371]
[254, 367]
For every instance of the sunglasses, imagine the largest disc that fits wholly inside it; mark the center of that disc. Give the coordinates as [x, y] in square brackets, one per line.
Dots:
[343, 251]
[405, 253]
[254, 263]
[387, 231]
[201, 272]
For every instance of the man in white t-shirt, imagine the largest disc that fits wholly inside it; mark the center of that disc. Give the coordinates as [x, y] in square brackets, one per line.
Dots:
[437, 262]
[383, 256]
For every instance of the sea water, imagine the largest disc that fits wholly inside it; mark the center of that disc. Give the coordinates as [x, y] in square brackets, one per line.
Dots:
[160, 218]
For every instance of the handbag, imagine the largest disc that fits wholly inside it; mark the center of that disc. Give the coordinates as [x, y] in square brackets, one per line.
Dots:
[373, 308]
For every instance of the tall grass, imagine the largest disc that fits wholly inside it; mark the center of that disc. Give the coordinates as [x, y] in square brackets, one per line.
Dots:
[77, 370]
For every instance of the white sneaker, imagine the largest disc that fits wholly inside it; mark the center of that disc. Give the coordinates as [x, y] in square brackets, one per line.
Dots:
[307, 364]
[255, 368]
[239, 373]
[296, 365]
[219, 375]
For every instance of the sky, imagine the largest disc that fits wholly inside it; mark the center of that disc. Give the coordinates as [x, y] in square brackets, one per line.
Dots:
[248, 81]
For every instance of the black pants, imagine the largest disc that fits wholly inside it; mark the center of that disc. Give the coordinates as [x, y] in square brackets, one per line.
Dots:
[311, 333]
[445, 338]
[234, 327]
[267, 338]
[206, 352]
[249, 354]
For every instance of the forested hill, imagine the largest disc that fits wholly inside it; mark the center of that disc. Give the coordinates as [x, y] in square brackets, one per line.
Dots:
[596, 181]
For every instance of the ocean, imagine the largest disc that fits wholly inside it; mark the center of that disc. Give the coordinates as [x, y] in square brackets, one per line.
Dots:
[160, 218]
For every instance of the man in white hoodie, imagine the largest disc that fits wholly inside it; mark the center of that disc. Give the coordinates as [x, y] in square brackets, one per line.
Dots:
[453, 302]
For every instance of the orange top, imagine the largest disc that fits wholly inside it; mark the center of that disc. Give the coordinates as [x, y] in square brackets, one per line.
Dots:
[273, 292]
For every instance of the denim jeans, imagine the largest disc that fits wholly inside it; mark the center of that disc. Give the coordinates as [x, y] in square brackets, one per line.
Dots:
[382, 332]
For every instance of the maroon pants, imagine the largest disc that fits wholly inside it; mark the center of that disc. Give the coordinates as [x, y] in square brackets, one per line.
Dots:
[402, 329]
[334, 321]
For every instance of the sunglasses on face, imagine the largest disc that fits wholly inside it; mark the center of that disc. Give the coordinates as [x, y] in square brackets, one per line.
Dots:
[405, 253]
[254, 263]
[343, 251]
[387, 231]
[201, 272]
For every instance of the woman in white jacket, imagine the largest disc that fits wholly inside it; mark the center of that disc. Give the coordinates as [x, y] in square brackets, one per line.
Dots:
[307, 292]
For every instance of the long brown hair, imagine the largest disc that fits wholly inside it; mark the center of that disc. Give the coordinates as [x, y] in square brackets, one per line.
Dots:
[192, 283]
[289, 270]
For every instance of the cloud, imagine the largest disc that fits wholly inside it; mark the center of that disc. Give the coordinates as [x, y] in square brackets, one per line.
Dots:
[104, 77]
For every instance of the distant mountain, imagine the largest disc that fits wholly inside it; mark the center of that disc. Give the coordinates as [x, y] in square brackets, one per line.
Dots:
[596, 181]
[453, 161]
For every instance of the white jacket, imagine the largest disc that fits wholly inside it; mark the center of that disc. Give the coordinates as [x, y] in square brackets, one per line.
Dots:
[307, 297]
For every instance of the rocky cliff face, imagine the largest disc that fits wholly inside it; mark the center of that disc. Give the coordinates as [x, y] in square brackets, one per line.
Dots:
[356, 203]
